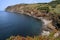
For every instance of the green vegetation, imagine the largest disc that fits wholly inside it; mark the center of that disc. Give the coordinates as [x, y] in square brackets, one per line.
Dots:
[57, 9]
[46, 8]
[54, 3]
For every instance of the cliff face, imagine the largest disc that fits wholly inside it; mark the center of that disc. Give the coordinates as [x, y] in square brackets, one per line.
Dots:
[20, 7]
[29, 9]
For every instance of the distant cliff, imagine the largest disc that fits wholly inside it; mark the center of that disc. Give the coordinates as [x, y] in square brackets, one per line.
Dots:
[33, 10]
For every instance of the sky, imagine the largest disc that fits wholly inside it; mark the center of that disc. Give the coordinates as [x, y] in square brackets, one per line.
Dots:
[5, 3]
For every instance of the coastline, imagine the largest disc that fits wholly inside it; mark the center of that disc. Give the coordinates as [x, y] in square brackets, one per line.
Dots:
[47, 23]
[45, 17]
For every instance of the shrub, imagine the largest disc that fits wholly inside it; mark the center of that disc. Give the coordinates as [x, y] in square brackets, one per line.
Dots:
[57, 9]
[44, 8]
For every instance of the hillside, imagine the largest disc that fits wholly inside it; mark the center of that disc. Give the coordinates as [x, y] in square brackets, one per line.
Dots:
[40, 9]
[48, 11]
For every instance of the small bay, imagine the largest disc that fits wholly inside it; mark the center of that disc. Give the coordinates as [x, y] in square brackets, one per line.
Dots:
[18, 24]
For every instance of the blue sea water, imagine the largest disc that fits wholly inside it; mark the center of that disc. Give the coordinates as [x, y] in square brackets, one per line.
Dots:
[18, 24]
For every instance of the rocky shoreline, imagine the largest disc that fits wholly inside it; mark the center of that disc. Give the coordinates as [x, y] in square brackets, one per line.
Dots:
[41, 15]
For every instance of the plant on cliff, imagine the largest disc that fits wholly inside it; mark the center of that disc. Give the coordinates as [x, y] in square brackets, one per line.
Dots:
[46, 8]
[56, 16]
[56, 19]
[57, 9]
[54, 3]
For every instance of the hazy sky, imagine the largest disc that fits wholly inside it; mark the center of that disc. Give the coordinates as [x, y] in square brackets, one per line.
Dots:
[5, 3]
